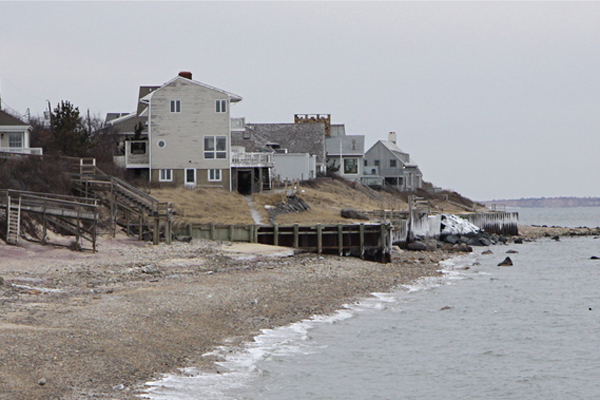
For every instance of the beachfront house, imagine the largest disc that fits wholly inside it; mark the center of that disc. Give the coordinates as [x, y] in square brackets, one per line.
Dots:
[180, 134]
[298, 149]
[386, 164]
[303, 149]
[14, 135]
[345, 155]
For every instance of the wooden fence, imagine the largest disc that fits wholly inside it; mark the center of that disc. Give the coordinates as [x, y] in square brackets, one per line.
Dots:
[368, 241]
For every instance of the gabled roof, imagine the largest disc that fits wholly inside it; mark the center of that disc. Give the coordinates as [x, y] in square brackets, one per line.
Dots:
[144, 91]
[127, 123]
[232, 97]
[296, 138]
[8, 120]
[397, 152]
[350, 145]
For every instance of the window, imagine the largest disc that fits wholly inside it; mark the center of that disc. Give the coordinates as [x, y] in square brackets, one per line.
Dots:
[15, 139]
[138, 147]
[350, 166]
[215, 147]
[214, 175]
[165, 175]
[376, 163]
[221, 106]
[190, 176]
[366, 162]
[175, 106]
[392, 163]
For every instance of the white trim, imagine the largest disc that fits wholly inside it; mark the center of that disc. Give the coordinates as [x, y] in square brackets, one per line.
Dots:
[168, 173]
[177, 104]
[149, 109]
[232, 97]
[215, 151]
[186, 176]
[219, 179]
[121, 119]
[219, 107]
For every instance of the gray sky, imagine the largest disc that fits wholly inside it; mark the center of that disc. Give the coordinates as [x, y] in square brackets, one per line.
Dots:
[493, 100]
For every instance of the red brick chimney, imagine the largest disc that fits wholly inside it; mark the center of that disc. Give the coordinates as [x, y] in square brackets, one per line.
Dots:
[185, 74]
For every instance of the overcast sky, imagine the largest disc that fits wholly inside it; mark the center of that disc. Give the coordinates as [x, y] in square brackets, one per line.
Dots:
[493, 100]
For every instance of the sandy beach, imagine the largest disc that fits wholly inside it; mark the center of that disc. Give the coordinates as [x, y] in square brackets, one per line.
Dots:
[98, 325]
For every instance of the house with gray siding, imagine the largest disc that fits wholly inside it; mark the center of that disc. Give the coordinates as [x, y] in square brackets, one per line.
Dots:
[386, 162]
[284, 138]
[345, 155]
[181, 134]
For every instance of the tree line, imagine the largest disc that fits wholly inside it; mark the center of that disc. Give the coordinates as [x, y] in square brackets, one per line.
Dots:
[66, 132]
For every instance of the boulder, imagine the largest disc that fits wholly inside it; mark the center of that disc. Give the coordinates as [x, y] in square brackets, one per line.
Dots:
[353, 214]
[487, 252]
[518, 241]
[452, 239]
[506, 263]
[591, 258]
[416, 246]
[511, 251]
[183, 238]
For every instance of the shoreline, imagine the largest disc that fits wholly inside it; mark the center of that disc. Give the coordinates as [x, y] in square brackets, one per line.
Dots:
[79, 325]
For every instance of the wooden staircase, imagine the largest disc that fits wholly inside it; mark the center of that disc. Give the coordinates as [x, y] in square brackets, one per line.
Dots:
[75, 215]
[130, 207]
[13, 219]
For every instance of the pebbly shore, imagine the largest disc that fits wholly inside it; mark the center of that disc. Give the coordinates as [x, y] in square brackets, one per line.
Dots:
[77, 325]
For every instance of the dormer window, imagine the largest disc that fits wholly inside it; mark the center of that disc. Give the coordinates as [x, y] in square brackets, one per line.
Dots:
[221, 106]
[175, 106]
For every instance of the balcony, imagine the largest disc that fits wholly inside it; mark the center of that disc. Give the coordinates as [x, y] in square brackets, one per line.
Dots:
[238, 124]
[136, 155]
[36, 151]
[251, 160]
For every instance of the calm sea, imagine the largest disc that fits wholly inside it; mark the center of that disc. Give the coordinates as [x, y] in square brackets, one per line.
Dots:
[530, 331]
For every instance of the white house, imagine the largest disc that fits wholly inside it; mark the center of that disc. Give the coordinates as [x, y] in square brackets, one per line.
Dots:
[14, 135]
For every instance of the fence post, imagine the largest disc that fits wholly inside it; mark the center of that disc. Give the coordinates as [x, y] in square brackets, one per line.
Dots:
[276, 234]
[361, 231]
[156, 231]
[340, 229]
[296, 236]
[319, 239]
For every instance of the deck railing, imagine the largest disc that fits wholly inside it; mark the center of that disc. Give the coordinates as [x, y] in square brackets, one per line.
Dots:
[36, 151]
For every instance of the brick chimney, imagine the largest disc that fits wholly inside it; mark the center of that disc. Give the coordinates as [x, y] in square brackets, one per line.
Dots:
[185, 74]
[392, 137]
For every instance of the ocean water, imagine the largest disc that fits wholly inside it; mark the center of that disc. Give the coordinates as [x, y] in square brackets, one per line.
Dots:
[572, 217]
[530, 331]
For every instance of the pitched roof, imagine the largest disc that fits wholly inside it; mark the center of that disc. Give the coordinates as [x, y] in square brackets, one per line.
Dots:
[296, 138]
[350, 145]
[401, 155]
[232, 97]
[128, 122]
[8, 120]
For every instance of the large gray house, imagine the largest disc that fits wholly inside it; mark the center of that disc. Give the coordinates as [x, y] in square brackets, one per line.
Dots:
[386, 162]
[181, 134]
